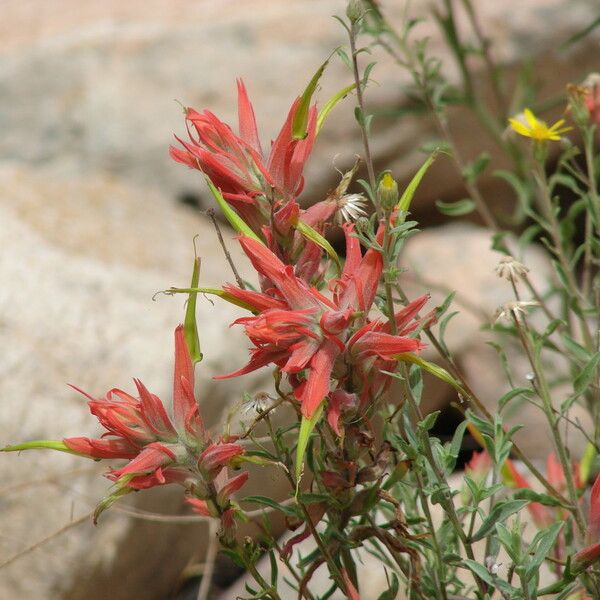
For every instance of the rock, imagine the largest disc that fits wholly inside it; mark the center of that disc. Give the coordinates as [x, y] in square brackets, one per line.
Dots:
[458, 257]
[86, 90]
[81, 261]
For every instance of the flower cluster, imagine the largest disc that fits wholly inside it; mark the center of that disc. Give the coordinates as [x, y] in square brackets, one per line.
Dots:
[161, 450]
[300, 330]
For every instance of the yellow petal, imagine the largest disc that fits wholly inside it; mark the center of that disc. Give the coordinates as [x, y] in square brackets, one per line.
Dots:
[519, 127]
[530, 117]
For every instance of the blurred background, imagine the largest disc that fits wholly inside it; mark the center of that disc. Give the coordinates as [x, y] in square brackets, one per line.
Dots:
[95, 219]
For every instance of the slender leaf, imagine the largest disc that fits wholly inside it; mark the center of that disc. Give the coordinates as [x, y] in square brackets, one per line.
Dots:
[500, 513]
[234, 219]
[411, 188]
[456, 209]
[290, 511]
[432, 368]
[543, 543]
[306, 428]
[190, 327]
[300, 122]
[330, 105]
[314, 236]
[42, 445]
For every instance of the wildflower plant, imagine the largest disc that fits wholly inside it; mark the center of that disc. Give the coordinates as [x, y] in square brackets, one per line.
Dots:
[366, 473]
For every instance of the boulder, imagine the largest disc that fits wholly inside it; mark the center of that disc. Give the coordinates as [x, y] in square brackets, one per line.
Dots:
[91, 89]
[81, 262]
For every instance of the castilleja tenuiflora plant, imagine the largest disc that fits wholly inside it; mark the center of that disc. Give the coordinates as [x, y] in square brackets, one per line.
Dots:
[368, 478]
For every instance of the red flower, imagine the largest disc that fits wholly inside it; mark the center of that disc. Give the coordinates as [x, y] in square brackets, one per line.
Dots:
[159, 450]
[297, 328]
[592, 99]
[217, 456]
[237, 164]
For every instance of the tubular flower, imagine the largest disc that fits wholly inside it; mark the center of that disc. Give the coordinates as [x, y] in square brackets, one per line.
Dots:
[247, 178]
[528, 125]
[592, 97]
[298, 329]
[160, 449]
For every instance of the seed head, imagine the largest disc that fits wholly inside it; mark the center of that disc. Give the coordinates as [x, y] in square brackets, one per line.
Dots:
[511, 269]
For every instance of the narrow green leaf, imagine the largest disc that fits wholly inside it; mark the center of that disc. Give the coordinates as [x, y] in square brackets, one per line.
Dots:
[581, 34]
[587, 374]
[190, 327]
[455, 445]
[110, 500]
[480, 571]
[314, 236]
[234, 219]
[274, 569]
[506, 398]
[586, 462]
[472, 171]
[330, 105]
[411, 188]
[42, 445]
[432, 368]
[499, 514]
[456, 209]
[576, 349]
[543, 543]
[289, 511]
[532, 496]
[429, 421]
[306, 428]
[300, 122]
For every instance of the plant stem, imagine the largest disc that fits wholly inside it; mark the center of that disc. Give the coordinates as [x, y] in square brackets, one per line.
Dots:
[352, 34]
[445, 500]
[544, 394]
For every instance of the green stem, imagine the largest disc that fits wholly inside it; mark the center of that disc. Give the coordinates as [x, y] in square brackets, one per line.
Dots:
[553, 229]
[544, 393]
[352, 34]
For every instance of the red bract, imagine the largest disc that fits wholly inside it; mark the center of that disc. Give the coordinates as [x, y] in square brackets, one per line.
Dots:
[592, 102]
[159, 450]
[297, 328]
[591, 553]
[237, 165]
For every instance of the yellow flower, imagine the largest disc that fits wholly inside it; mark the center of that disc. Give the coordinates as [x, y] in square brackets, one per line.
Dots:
[529, 125]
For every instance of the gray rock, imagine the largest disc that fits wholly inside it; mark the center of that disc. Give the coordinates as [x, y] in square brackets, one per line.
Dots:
[81, 261]
[86, 90]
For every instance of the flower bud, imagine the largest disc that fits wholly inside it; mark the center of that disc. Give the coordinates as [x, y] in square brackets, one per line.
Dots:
[592, 98]
[578, 105]
[355, 10]
[387, 192]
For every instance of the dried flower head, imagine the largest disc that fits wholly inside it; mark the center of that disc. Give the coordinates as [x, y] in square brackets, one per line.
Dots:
[511, 269]
[259, 403]
[350, 207]
[514, 311]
